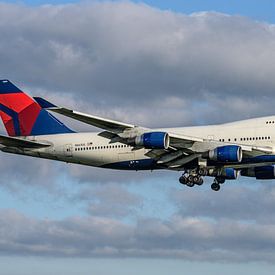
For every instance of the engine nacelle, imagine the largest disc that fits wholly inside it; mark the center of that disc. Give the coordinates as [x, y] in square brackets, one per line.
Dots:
[225, 173]
[153, 140]
[229, 153]
[229, 174]
[260, 173]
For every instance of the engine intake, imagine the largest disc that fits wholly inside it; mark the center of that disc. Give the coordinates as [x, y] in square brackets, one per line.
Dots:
[153, 140]
[230, 153]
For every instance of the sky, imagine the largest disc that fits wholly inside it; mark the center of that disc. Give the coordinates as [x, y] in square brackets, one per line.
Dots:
[155, 64]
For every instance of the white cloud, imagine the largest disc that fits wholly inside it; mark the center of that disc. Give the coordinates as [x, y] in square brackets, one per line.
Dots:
[113, 57]
[184, 238]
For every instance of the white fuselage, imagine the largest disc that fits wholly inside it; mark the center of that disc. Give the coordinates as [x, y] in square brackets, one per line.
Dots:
[94, 150]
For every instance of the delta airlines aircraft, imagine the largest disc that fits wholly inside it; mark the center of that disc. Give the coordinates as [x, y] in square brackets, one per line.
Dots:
[222, 151]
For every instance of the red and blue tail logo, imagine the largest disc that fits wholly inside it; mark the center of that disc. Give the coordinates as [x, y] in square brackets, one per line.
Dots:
[22, 116]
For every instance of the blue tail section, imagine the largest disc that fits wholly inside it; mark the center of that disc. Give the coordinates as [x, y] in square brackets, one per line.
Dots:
[47, 124]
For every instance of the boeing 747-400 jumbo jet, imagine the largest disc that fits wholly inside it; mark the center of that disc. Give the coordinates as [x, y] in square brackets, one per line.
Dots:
[222, 151]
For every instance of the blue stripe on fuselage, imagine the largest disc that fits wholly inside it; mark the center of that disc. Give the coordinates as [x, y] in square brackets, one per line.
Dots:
[141, 164]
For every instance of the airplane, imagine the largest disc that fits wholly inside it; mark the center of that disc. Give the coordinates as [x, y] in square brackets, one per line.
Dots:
[223, 151]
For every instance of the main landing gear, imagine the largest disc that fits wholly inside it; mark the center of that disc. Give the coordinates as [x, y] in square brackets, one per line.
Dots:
[193, 178]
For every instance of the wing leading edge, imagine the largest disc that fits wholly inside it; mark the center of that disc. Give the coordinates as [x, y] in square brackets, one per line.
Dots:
[103, 123]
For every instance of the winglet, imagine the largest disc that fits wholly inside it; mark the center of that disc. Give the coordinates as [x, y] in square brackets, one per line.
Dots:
[44, 103]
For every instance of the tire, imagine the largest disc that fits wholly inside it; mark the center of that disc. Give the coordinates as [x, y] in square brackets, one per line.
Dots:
[196, 179]
[190, 184]
[200, 181]
[221, 180]
[190, 178]
[183, 180]
[215, 187]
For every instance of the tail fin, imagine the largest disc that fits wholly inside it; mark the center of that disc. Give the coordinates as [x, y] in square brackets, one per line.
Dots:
[22, 116]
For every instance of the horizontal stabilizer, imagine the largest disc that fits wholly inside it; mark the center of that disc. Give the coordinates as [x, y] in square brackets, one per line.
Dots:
[22, 143]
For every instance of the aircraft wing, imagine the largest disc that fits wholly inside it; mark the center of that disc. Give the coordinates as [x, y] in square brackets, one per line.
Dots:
[22, 143]
[184, 149]
[103, 123]
[112, 126]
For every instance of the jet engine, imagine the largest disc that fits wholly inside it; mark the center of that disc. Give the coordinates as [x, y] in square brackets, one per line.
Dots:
[224, 154]
[224, 173]
[229, 174]
[153, 140]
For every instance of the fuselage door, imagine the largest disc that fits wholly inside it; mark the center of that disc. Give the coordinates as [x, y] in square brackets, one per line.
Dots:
[68, 150]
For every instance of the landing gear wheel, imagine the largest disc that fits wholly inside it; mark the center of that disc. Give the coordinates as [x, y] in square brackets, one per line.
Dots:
[183, 180]
[190, 183]
[215, 186]
[200, 182]
[220, 180]
[196, 179]
[190, 178]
